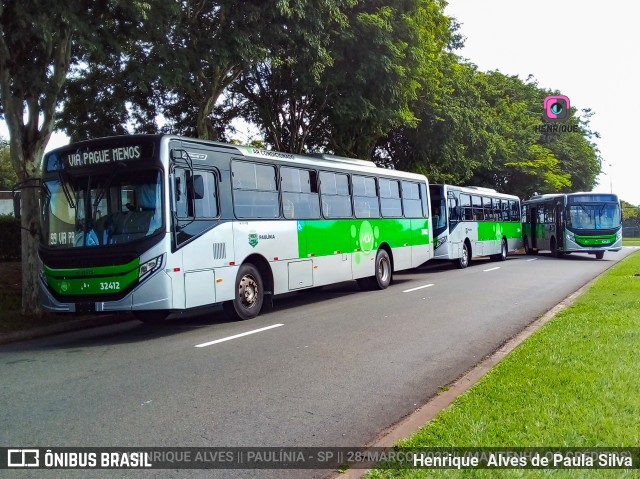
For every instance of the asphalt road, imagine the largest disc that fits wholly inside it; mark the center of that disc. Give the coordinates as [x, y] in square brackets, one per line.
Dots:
[334, 368]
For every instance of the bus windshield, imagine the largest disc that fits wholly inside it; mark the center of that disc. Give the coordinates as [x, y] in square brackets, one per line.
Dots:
[100, 209]
[593, 216]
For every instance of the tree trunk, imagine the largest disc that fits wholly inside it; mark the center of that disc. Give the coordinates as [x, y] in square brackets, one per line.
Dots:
[30, 223]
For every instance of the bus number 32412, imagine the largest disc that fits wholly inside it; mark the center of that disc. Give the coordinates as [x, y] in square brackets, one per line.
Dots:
[111, 286]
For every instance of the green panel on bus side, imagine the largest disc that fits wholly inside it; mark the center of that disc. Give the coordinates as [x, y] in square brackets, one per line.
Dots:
[494, 230]
[512, 229]
[419, 231]
[98, 280]
[602, 240]
[327, 237]
[396, 232]
[323, 237]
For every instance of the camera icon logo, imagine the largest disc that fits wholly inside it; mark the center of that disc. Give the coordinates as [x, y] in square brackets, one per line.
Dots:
[556, 108]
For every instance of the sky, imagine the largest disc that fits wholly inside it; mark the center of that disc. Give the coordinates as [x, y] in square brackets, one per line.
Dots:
[586, 49]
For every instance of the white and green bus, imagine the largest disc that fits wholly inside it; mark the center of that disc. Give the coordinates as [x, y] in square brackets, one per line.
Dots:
[473, 221]
[156, 224]
[572, 223]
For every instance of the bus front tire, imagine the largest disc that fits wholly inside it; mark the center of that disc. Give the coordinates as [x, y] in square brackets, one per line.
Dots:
[463, 261]
[249, 294]
[600, 255]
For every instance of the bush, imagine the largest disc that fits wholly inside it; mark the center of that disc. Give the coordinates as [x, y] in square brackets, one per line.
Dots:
[9, 238]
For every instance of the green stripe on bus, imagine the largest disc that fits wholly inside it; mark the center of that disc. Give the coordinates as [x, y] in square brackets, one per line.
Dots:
[495, 230]
[327, 237]
[603, 240]
[98, 280]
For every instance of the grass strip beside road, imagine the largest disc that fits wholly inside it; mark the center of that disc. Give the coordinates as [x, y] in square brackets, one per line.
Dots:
[573, 383]
[631, 241]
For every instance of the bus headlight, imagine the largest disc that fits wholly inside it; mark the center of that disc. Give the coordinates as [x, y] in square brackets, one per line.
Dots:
[619, 235]
[150, 267]
[571, 236]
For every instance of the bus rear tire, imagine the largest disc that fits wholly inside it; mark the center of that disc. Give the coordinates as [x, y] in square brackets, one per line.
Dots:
[384, 272]
[600, 255]
[502, 255]
[463, 261]
[249, 294]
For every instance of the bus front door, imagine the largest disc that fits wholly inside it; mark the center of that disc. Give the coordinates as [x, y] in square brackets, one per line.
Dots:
[559, 216]
[534, 227]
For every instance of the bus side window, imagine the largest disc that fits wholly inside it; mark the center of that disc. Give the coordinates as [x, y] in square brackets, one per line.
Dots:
[495, 209]
[424, 196]
[549, 214]
[454, 211]
[335, 195]
[390, 202]
[486, 206]
[255, 191]
[411, 203]
[205, 194]
[467, 211]
[505, 210]
[478, 213]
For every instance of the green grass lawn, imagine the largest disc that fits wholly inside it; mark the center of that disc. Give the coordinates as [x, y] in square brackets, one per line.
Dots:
[631, 241]
[573, 383]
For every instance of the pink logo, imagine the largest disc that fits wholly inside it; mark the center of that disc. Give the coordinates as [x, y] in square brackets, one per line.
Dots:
[556, 108]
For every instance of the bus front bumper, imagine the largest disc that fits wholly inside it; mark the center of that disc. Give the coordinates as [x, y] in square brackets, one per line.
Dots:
[152, 294]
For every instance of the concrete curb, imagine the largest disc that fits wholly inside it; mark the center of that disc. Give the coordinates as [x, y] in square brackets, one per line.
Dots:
[64, 327]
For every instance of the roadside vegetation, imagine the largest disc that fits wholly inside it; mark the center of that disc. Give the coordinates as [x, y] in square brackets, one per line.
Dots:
[11, 318]
[573, 383]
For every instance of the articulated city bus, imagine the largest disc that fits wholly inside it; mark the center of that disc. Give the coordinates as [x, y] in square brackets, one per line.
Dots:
[156, 224]
[472, 221]
[572, 223]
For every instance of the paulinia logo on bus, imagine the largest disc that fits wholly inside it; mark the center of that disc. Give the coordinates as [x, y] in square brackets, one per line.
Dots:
[440, 241]
[255, 237]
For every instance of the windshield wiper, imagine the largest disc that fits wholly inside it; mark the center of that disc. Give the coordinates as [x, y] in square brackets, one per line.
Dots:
[104, 188]
[66, 190]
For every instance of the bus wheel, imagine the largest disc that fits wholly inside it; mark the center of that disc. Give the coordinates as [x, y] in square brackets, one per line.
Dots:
[600, 255]
[463, 261]
[555, 252]
[504, 250]
[383, 270]
[502, 255]
[249, 294]
[151, 316]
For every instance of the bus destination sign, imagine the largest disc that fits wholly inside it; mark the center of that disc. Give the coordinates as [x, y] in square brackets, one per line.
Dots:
[100, 156]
